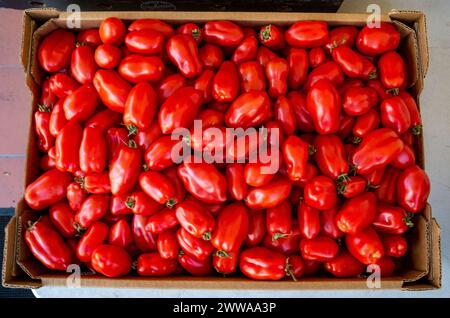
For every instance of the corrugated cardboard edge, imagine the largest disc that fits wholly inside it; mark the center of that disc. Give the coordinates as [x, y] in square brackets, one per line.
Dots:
[214, 282]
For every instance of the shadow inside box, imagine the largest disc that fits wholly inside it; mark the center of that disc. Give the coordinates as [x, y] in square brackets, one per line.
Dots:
[5, 215]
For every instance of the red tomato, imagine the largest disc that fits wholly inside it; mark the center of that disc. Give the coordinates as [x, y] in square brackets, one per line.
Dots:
[55, 50]
[180, 109]
[264, 55]
[295, 155]
[95, 236]
[324, 105]
[302, 116]
[47, 245]
[295, 267]
[47, 98]
[416, 121]
[328, 223]
[81, 104]
[82, 65]
[287, 245]
[183, 52]
[144, 240]
[272, 36]
[413, 189]
[344, 35]
[330, 156]
[97, 183]
[112, 89]
[225, 262]
[387, 189]
[394, 245]
[285, 115]
[193, 246]
[194, 266]
[111, 260]
[62, 84]
[158, 155]
[211, 118]
[159, 187]
[357, 213]
[89, 37]
[270, 194]
[365, 246]
[308, 220]
[353, 64]
[405, 158]
[365, 124]
[357, 101]
[320, 193]
[152, 264]
[231, 228]
[46, 163]
[146, 42]
[395, 115]
[63, 219]
[140, 203]
[223, 33]
[93, 209]
[120, 234]
[226, 83]
[67, 147]
[107, 56]
[141, 106]
[298, 67]
[42, 129]
[329, 70]
[139, 68]
[377, 150]
[261, 263]
[203, 83]
[256, 228]
[211, 56]
[317, 57]
[320, 248]
[344, 265]
[93, 151]
[255, 175]
[277, 70]
[75, 195]
[279, 220]
[169, 85]
[386, 266]
[248, 110]
[124, 169]
[391, 219]
[192, 30]
[352, 186]
[377, 40]
[246, 51]
[307, 34]
[237, 187]
[116, 138]
[392, 70]
[104, 120]
[112, 31]
[118, 205]
[167, 244]
[152, 24]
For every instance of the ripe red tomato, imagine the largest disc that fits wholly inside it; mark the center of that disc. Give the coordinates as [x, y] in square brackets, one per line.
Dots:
[93, 151]
[93, 209]
[365, 246]
[378, 40]
[89, 37]
[320, 193]
[344, 35]
[330, 156]
[328, 223]
[82, 65]
[308, 220]
[111, 260]
[413, 189]
[120, 234]
[203, 83]
[146, 42]
[277, 70]
[231, 228]
[223, 33]
[152, 264]
[211, 56]
[261, 263]
[169, 85]
[193, 246]
[329, 70]
[63, 219]
[264, 55]
[353, 64]
[357, 213]
[67, 147]
[112, 89]
[272, 36]
[279, 220]
[307, 34]
[144, 240]
[357, 101]
[95, 236]
[225, 262]
[152, 24]
[55, 50]
[295, 155]
[140, 203]
[391, 219]
[298, 67]
[97, 183]
[124, 169]
[285, 115]
[392, 71]
[256, 227]
[167, 244]
[352, 186]
[75, 195]
[81, 104]
[303, 118]
[365, 124]
[112, 31]
[183, 52]
[245, 51]
[226, 83]
[237, 187]
[42, 128]
[319, 248]
[344, 265]
[139, 68]
[104, 120]
[158, 155]
[395, 115]
[269, 195]
[248, 110]
[107, 56]
[195, 266]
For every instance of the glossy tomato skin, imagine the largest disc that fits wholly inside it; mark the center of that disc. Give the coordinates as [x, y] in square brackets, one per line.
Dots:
[246, 50]
[42, 128]
[203, 83]
[287, 245]
[344, 35]
[391, 219]
[298, 67]
[308, 220]
[357, 213]
[48, 189]
[139, 68]
[75, 195]
[365, 124]
[93, 151]
[183, 52]
[394, 245]
[112, 89]
[416, 121]
[107, 56]
[231, 228]
[159, 187]
[62, 84]
[264, 55]
[374, 41]
[413, 189]
[193, 246]
[307, 34]
[320, 248]
[112, 31]
[211, 56]
[169, 85]
[111, 260]
[93, 209]
[223, 33]
[344, 265]
[191, 29]
[225, 262]
[386, 266]
[195, 266]
[279, 220]
[329, 70]
[357, 101]
[256, 228]
[180, 109]
[277, 71]
[303, 118]
[352, 186]
[317, 57]
[63, 219]
[226, 83]
[167, 244]
[270, 194]
[392, 70]
[395, 115]
[152, 264]
[387, 189]
[405, 158]
[295, 155]
[47, 245]
[116, 138]
[81, 104]
[320, 193]
[120, 234]
[285, 115]
[158, 155]
[140, 203]
[146, 42]
[324, 106]
[330, 156]
[141, 106]
[55, 50]
[144, 240]
[124, 170]
[195, 219]
[237, 187]
[248, 110]
[89, 37]
[254, 176]
[377, 150]
[104, 120]
[261, 263]
[203, 181]
[328, 223]
[152, 24]
[97, 183]
[82, 65]
[118, 205]
[353, 64]
[272, 36]
[365, 246]
[47, 98]
[95, 235]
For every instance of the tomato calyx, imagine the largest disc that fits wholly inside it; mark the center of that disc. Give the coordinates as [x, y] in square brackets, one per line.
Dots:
[132, 130]
[222, 254]
[171, 203]
[180, 253]
[134, 265]
[207, 236]
[408, 220]
[416, 130]
[195, 33]
[80, 229]
[373, 75]
[356, 140]
[288, 270]
[130, 202]
[311, 150]
[80, 181]
[44, 108]
[265, 33]
[131, 144]
[370, 186]
[393, 91]
[276, 236]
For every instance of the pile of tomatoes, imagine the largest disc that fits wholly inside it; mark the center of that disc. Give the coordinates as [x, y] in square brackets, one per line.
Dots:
[346, 189]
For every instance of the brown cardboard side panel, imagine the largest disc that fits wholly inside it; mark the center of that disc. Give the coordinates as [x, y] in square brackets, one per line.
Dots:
[409, 51]
[36, 71]
[435, 275]
[27, 32]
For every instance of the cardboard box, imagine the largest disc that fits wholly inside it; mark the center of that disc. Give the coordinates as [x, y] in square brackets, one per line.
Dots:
[421, 268]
